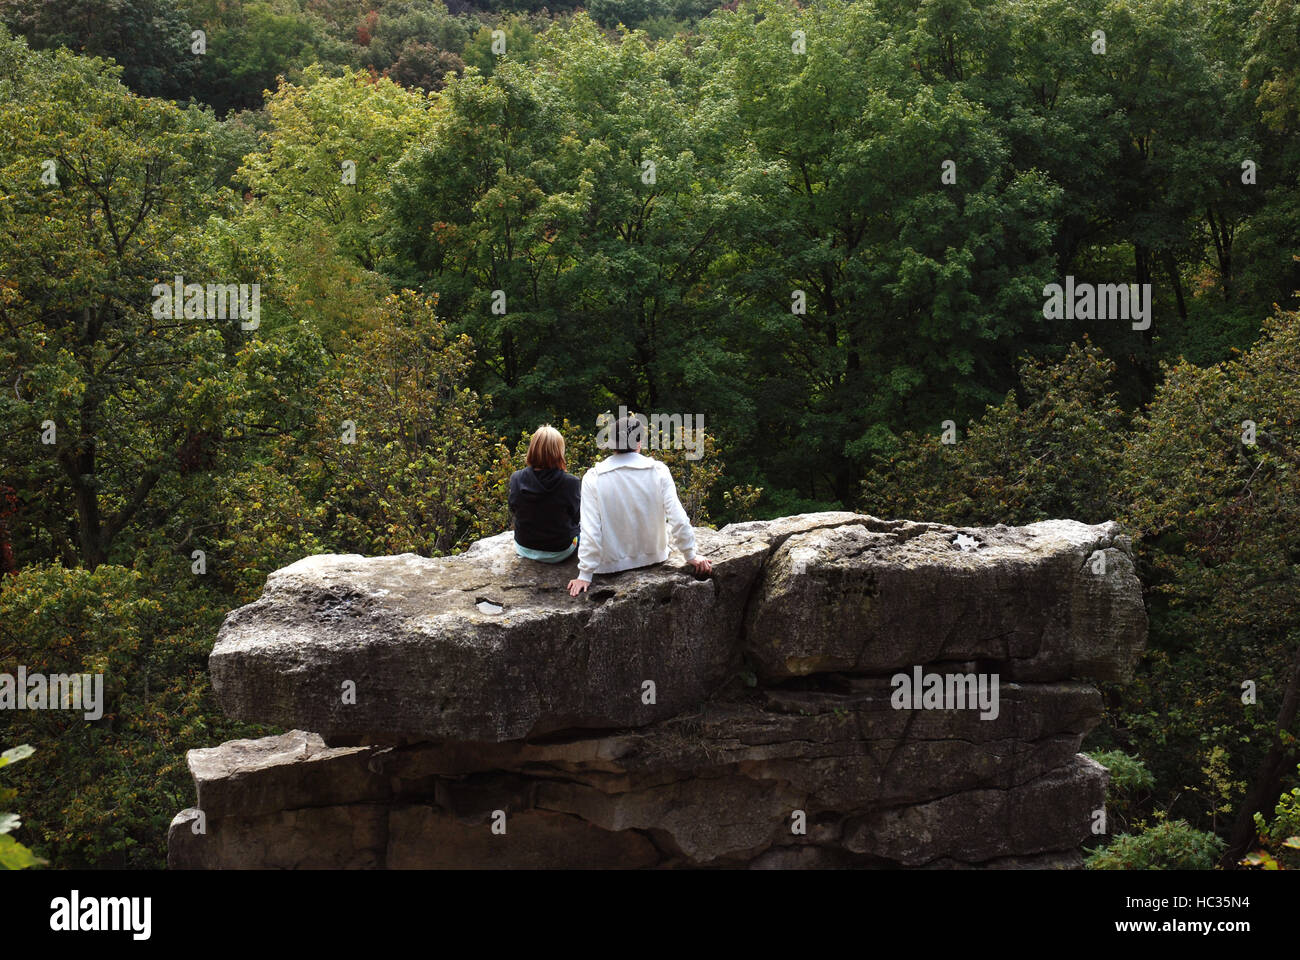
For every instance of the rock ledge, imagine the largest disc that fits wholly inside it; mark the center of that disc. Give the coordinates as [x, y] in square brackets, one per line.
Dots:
[746, 719]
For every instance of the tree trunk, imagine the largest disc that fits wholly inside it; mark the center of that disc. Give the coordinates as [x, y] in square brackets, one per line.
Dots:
[79, 465]
[1222, 237]
[1171, 267]
[1146, 361]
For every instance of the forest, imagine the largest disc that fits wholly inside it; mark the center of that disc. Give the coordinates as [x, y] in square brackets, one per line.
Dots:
[827, 229]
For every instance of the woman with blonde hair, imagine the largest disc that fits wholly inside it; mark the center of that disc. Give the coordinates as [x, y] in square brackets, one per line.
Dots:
[545, 501]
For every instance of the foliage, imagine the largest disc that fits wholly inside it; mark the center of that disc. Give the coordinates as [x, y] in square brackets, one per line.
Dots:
[423, 475]
[316, 127]
[125, 390]
[1279, 837]
[13, 855]
[415, 44]
[250, 44]
[1218, 522]
[315, 189]
[1130, 782]
[1171, 845]
[1053, 455]
[102, 792]
[519, 34]
[1274, 66]
[149, 39]
[386, 452]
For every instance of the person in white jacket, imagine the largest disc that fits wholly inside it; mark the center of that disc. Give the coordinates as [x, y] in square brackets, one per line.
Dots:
[629, 509]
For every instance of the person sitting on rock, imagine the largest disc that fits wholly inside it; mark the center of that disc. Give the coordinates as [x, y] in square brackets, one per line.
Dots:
[545, 501]
[629, 506]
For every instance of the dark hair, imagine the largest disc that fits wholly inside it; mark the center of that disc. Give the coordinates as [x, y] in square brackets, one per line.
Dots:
[628, 432]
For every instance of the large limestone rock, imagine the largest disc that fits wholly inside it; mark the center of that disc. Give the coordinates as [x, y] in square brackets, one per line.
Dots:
[498, 722]
[718, 789]
[810, 594]
[410, 634]
[1051, 600]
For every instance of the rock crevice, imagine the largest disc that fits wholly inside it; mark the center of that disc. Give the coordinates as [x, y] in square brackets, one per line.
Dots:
[666, 720]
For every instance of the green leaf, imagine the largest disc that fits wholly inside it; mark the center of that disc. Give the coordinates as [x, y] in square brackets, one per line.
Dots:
[14, 856]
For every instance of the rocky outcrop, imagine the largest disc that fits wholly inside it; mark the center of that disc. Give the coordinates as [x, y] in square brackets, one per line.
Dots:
[465, 711]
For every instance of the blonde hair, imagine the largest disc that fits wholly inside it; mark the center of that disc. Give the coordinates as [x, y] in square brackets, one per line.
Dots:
[546, 449]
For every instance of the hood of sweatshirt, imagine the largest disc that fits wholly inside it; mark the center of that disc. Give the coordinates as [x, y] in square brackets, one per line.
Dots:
[540, 481]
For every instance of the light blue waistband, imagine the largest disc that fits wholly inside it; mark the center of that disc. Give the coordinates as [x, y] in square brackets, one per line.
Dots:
[546, 556]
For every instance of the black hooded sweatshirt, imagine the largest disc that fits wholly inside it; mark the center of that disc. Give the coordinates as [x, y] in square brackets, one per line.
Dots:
[547, 506]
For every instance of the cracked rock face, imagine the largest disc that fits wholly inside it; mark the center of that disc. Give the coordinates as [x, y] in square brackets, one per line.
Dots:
[496, 721]
[803, 595]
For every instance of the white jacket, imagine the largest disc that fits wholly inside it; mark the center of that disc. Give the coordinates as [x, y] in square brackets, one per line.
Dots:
[629, 502]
